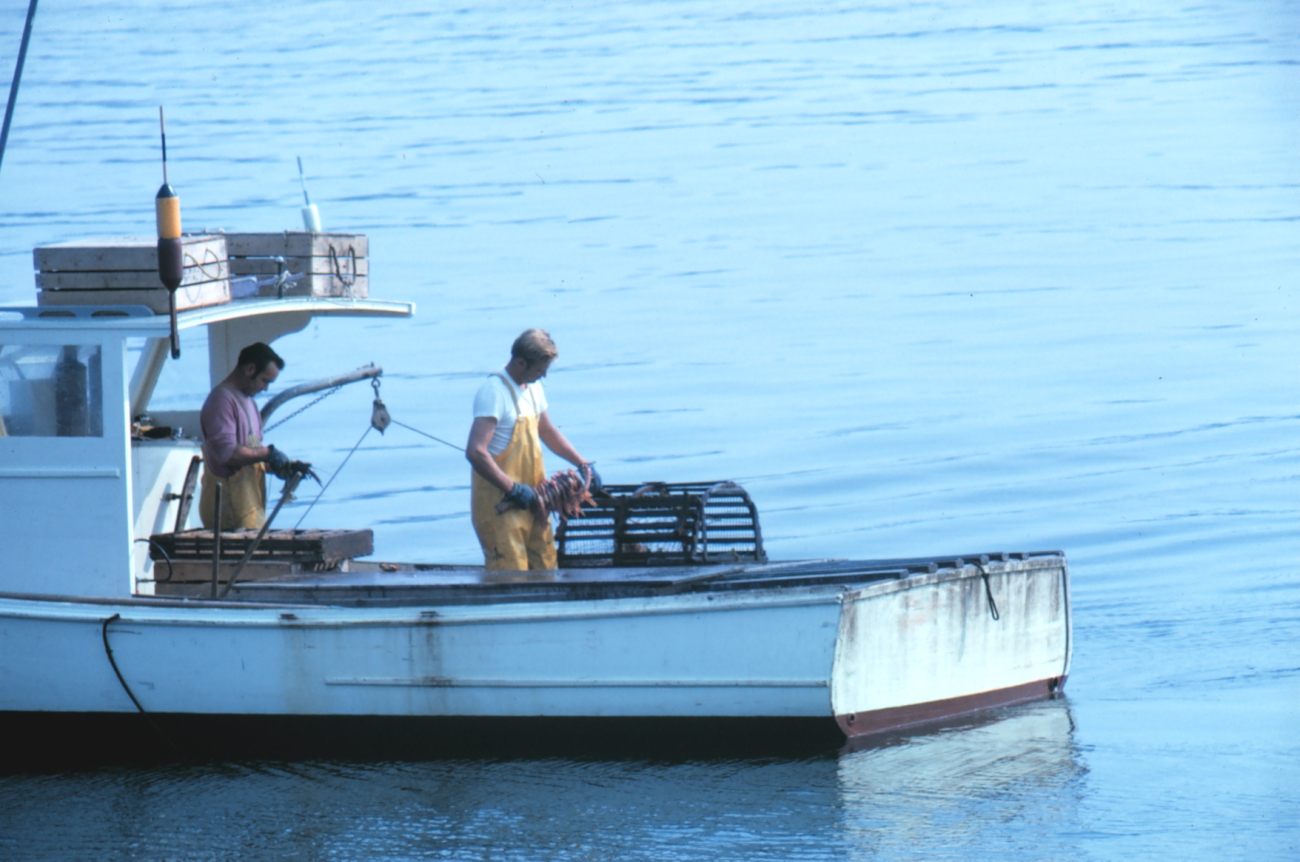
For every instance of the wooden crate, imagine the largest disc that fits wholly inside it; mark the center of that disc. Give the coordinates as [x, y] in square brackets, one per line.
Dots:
[332, 264]
[124, 271]
[295, 546]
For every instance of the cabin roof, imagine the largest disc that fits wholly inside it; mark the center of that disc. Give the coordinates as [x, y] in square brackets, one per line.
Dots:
[139, 320]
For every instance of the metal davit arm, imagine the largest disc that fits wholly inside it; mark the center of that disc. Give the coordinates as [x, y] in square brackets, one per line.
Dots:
[365, 372]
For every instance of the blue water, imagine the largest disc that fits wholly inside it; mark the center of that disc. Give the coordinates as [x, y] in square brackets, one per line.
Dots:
[925, 277]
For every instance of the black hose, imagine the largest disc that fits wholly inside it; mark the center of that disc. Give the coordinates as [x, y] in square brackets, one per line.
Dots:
[108, 651]
[166, 558]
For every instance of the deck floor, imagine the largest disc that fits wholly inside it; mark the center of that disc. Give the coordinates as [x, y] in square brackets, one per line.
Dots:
[377, 583]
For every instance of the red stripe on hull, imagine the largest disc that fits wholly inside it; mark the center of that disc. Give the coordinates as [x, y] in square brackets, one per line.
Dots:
[857, 724]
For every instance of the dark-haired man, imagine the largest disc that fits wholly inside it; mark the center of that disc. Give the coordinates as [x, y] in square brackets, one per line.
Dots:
[233, 453]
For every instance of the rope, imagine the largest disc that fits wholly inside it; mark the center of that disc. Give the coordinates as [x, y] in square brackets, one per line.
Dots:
[988, 591]
[326, 486]
[202, 265]
[311, 403]
[372, 426]
[426, 434]
[377, 423]
[345, 280]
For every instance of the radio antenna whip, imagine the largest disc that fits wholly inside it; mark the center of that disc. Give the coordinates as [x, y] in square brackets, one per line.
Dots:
[310, 215]
[18, 74]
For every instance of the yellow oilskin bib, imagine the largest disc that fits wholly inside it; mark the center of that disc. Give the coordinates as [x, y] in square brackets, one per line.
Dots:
[243, 496]
[514, 540]
[243, 499]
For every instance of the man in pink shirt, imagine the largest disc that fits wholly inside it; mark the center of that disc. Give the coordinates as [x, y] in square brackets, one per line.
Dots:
[233, 454]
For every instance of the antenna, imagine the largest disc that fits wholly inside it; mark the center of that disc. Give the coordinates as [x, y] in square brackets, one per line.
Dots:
[18, 76]
[162, 126]
[305, 198]
[310, 214]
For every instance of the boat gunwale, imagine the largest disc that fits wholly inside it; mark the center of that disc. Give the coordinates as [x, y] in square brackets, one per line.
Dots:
[699, 599]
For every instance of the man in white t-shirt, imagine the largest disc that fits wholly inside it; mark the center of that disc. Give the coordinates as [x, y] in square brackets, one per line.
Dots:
[510, 424]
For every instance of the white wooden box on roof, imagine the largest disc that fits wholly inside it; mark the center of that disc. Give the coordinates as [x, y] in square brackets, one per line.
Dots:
[124, 271]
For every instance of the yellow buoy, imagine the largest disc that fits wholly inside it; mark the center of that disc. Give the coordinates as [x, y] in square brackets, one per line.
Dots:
[171, 260]
[168, 207]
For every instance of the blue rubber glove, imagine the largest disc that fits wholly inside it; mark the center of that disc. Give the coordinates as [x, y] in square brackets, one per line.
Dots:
[596, 484]
[522, 496]
[278, 462]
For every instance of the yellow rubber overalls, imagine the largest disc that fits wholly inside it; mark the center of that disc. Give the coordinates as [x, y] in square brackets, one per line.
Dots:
[514, 540]
[243, 496]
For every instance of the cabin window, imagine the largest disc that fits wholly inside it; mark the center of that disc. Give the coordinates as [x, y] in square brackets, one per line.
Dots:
[51, 390]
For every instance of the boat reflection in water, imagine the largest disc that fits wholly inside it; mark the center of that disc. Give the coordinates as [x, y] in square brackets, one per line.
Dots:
[1006, 785]
[1007, 781]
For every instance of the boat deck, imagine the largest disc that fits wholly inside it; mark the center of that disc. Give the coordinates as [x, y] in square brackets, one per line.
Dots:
[365, 583]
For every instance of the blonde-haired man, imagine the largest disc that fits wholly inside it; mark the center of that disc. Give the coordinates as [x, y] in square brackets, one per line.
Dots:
[510, 424]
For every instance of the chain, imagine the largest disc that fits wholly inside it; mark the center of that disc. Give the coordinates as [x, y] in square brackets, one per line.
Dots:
[312, 403]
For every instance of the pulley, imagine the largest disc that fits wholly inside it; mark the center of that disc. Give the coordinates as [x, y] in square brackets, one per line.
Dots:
[379, 418]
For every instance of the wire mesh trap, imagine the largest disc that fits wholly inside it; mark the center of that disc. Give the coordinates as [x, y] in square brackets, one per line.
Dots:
[663, 523]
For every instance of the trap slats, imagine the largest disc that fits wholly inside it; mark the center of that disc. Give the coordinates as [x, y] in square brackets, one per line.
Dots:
[663, 524]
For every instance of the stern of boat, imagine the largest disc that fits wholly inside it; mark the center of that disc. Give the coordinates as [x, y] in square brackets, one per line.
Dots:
[968, 636]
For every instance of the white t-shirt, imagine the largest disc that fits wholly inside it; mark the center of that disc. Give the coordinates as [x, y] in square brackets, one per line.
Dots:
[496, 398]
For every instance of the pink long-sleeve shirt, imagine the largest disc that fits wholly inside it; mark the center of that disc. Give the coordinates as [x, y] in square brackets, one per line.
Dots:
[229, 419]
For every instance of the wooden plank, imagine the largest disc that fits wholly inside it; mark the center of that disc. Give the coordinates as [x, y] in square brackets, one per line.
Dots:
[264, 266]
[296, 244]
[194, 296]
[126, 279]
[124, 253]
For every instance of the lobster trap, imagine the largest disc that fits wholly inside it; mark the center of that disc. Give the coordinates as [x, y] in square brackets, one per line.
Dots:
[663, 523]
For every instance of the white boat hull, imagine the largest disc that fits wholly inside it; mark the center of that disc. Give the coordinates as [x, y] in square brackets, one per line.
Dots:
[791, 652]
[682, 656]
[936, 646]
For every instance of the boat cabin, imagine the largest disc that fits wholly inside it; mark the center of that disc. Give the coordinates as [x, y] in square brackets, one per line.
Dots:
[81, 494]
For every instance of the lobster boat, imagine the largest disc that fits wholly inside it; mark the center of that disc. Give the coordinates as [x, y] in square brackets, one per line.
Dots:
[114, 601]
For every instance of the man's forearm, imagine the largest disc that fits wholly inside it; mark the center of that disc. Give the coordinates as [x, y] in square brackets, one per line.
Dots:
[558, 443]
[245, 455]
[487, 467]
